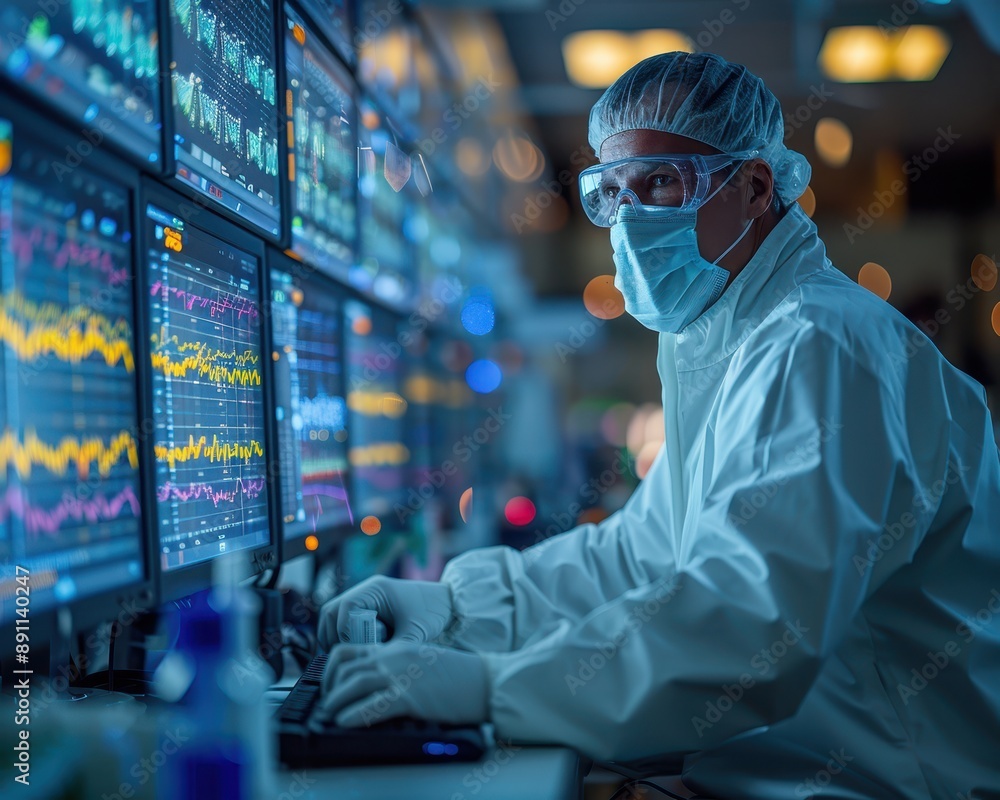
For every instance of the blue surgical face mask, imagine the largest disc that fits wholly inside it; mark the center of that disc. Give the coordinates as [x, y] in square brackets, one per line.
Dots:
[660, 272]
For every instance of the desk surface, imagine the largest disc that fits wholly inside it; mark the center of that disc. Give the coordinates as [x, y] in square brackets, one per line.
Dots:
[506, 773]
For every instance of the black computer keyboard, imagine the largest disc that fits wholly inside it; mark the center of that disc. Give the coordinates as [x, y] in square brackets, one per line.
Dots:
[396, 741]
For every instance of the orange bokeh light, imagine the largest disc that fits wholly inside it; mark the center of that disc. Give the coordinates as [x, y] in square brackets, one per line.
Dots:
[602, 299]
[370, 526]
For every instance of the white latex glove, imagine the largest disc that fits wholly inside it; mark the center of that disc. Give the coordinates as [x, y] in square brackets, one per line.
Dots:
[367, 684]
[415, 611]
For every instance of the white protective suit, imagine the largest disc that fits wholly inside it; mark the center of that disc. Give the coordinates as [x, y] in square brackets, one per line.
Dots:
[804, 591]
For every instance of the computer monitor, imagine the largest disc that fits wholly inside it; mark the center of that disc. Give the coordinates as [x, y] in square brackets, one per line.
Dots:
[96, 62]
[71, 500]
[209, 424]
[378, 452]
[224, 112]
[334, 20]
[310, 405]
[323, 173]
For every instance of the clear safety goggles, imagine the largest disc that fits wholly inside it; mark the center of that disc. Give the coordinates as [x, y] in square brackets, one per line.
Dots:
[654, 185]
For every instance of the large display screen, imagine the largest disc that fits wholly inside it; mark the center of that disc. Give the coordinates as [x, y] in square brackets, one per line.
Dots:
[69, 464]
[310, 406]
[324, 166]
[208, 397]
[97, 60]
[224, 99]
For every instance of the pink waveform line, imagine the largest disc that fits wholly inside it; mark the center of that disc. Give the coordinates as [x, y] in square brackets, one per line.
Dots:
[318, 490]
[196, 491]
[217, 306]
[61, 254]
[49, 520]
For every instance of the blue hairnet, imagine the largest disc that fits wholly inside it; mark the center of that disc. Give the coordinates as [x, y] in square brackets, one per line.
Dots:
[703, 97]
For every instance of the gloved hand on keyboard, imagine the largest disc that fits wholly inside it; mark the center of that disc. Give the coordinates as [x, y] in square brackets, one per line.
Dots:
[414, 611]
[367, 684]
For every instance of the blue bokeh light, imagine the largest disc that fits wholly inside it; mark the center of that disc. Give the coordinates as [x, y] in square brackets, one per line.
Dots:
[483, 376]
[478, 316]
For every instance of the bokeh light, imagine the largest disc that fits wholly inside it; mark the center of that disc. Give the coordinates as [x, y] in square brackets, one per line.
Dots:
[614, 423]
[361, 326]
[646, 456]
[808, 201]
[478, 316]
[875, 278]
[312, 542]
[465, 504]
[483, 376]
[996, 319]
[370, 525]
[470, 156]
[833, 141]
[602, 299]
[519, 511]
[984, 272]
[518, 158]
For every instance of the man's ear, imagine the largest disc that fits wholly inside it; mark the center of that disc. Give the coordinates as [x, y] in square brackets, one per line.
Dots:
[761, 183]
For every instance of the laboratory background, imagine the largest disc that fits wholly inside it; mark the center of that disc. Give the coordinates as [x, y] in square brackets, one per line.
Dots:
[297, 293]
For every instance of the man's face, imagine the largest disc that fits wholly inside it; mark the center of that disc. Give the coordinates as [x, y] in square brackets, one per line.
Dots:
[722, 219]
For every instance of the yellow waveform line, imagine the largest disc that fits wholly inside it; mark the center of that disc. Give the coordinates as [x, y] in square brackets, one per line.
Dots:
[374, 404]
[57, 458]
[203, 362]
[216, 451]
[71, 335]
[246, 357]
[376, 455]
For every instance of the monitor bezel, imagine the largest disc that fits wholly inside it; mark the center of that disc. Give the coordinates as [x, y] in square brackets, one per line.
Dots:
[329, 535]
[170, 161]
[140, 595]
[186, 580]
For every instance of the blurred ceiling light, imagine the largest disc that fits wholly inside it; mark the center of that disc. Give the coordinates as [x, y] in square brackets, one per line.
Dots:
[518, 158]
[920, 52]
[855, 53]
[833, 141]
[864, 53]
[875, 278]
[594, 59]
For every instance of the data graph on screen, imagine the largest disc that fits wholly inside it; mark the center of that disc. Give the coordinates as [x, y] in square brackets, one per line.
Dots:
[224, 98]
[208, 403]
[98, 60]
[324, 168]
[311, 408]
[378, 455]
[69, 461]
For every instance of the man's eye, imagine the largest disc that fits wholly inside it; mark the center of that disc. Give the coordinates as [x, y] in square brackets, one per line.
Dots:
[610, 192]
[662, 180]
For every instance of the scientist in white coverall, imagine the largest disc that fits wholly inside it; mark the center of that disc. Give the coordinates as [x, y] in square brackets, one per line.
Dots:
[803, 594]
